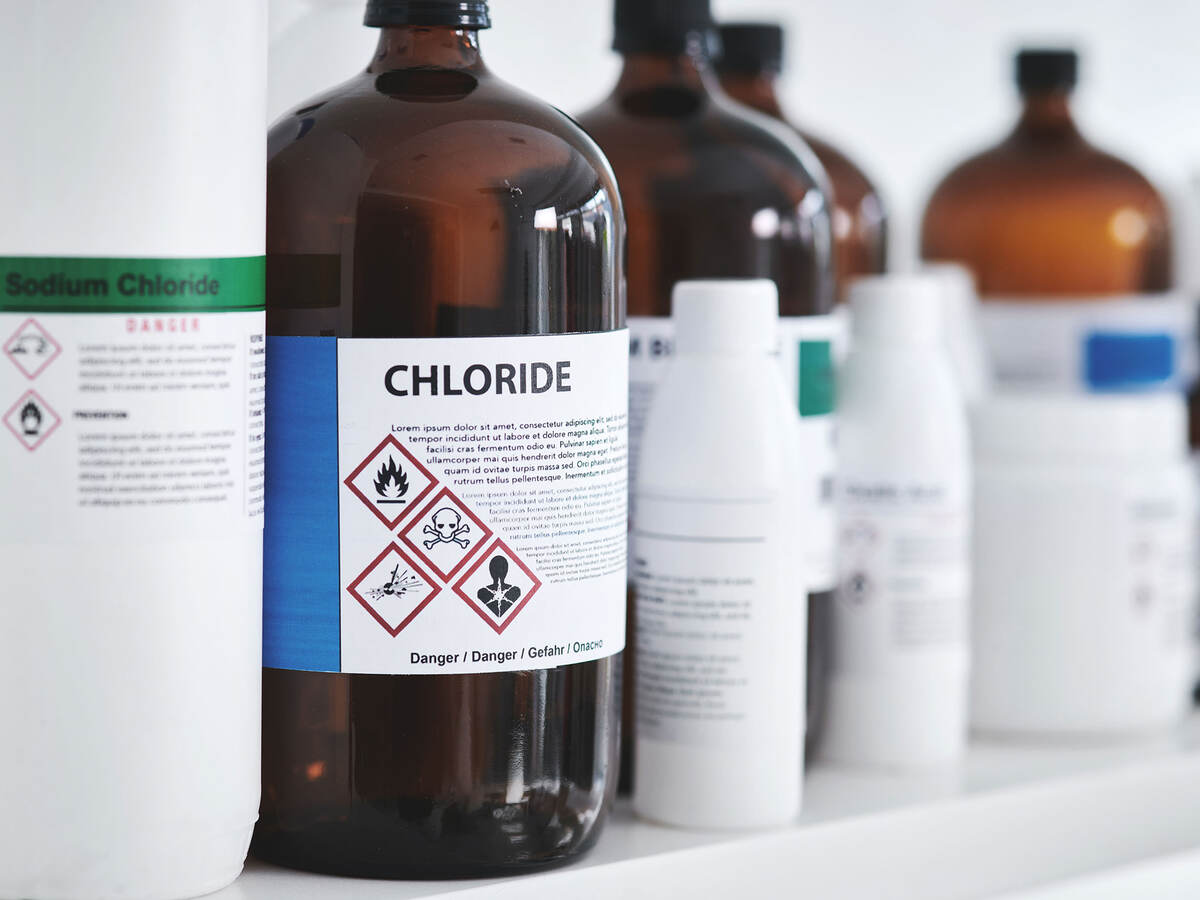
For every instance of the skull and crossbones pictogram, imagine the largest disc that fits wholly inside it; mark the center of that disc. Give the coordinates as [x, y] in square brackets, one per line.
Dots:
[447, 528]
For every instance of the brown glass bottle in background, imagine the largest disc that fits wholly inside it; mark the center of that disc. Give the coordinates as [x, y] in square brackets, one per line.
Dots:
[710, 190]
[750, 65]
[1044, 214]
[402, 204]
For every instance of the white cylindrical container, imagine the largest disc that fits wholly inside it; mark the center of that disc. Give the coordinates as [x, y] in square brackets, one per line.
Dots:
[131, 292]
[1083, 590]
[721, 591]
[898, 686]
[317, 43]
[961, 331]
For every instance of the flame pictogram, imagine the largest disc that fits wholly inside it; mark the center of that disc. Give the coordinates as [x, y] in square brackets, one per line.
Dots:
[31, 419]
[391, 484]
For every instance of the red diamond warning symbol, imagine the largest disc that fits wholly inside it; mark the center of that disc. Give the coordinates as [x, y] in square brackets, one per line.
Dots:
[391, 482]
[31, 420]
[393, 589]
[498, 586]
[31, 348]
[445, 534]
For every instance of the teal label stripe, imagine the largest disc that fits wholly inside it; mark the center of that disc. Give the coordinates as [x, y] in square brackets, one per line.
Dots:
[817, 388]
[95, 284]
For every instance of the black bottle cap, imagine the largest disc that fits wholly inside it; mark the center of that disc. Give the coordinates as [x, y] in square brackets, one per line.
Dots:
[1047, 70]
[662, 26]
[751, 48]
[460, 13]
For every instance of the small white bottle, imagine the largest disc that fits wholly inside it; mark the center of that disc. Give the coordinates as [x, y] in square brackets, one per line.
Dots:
[721, 591]
[898, 688]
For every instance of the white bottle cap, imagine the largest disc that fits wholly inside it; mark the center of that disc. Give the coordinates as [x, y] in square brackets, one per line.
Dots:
[725, 316]
[904, 309]
[1081, 428]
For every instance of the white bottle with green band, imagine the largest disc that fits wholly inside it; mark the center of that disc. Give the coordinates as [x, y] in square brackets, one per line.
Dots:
[808, 348]
[131, 392]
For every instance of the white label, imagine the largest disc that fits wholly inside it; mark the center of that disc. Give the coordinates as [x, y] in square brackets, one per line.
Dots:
[818, 432]
[1087, 344]
[1159, 581]
[718, 616]
[482, 508]
[651, 343]
[144, 425]
[903, 569]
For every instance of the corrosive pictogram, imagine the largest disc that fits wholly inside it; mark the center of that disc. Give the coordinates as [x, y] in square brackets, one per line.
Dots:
[31, 420]
[393, 589]
[391, 482]
[498, 586]
[445, 534]
[31, 348]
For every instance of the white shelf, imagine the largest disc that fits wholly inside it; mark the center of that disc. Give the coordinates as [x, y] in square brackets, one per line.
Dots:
[1013, 818]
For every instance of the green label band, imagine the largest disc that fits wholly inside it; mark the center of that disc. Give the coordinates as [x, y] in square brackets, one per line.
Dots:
[816, 375]
[102, 285]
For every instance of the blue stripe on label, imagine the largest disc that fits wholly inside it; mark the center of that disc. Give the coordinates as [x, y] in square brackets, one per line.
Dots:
[1115, 360]
[301, 606]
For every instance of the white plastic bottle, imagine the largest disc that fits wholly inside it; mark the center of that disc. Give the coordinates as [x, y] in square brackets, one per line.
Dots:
[898, 688]
[1083, 562]
[131, 367]
[721, 590]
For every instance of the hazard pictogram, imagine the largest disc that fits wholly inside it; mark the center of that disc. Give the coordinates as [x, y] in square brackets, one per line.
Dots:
[498, 586]
[445, 534]
[391, 482]
[31, 348]
[393, 589]
[31, 420]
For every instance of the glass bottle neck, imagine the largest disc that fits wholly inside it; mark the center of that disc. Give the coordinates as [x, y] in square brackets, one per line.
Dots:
[1047, 114]
[410, 46]
[690, 70]
[756, 90]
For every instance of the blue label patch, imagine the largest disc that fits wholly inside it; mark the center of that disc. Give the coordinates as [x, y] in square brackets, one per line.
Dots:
[1115, 361]
[301, 605]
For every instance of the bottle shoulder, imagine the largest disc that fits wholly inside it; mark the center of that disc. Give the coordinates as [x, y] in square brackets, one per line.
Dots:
[718, 144]
[1022, 170]
[400, 128]
[1050, 217]
[850, 183]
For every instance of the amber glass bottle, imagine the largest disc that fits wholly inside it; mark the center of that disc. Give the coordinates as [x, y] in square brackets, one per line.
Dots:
[713, 190]
[415, 213]
[1067, 243]
[1044, 213]
[750, 65]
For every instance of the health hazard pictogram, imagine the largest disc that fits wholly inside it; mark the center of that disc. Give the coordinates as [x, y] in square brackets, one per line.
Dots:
[31, 348]
[391, 482]
[445, 534]
[31, 420]
[393, 589]
[498, 586]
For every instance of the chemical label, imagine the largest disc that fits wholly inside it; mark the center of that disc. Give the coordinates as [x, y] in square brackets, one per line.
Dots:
[808, 349]
[1158, 581]
[903, 568]
[449, 505]
[132, 396]
[1138, 342]
[717, 614]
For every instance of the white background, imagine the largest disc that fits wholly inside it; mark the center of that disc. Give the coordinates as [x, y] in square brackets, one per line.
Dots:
[906, 86]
